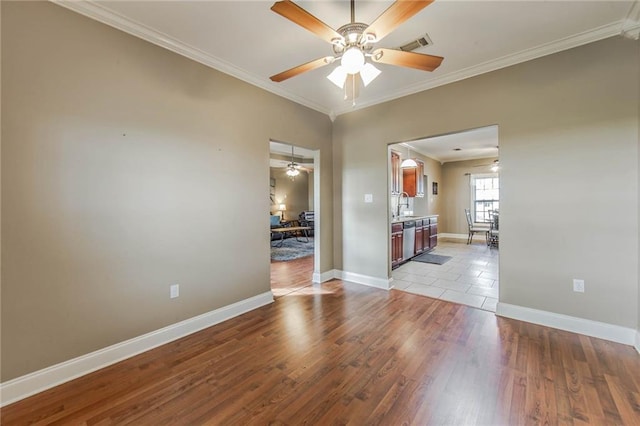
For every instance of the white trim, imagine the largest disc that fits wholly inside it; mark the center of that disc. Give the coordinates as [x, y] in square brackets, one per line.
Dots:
[566, 43]
[631, 30]
[38, 381]
[383, 283]
[631, 26]
[637, 345]
[454, 236]
[105, 15]
[601, 330]
[324, 276]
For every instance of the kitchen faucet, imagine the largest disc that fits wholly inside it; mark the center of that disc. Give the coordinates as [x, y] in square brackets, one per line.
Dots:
[400, 204]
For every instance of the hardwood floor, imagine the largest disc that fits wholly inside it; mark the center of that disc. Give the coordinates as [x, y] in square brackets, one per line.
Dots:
[291, 275]
[345, 353]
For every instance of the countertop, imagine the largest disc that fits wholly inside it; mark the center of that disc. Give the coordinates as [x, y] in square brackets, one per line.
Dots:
[406, 218]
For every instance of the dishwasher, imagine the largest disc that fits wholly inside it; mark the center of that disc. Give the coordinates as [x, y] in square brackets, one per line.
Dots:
[408, 239]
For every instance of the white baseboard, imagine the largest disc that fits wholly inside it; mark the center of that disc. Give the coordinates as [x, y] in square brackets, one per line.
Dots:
[38, 381]
[383, 283]
[601, 330]
[324, 276]
[637, 345]
[454, 236]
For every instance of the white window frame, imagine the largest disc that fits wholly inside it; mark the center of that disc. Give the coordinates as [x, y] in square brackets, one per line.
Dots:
[472, 191]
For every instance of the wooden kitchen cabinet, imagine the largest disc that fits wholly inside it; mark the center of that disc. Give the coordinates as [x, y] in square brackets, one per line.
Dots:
[429, 234]
[425, 236]
[419, 236]
[395, 173]
[413, 180]
[433, 232]
[396, 244]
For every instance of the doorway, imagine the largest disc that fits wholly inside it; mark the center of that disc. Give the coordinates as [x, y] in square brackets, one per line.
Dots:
[460, 173]
[294, 201]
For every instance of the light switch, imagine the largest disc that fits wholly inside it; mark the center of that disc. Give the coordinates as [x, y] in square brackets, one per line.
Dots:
[368, 198]
[174, 291]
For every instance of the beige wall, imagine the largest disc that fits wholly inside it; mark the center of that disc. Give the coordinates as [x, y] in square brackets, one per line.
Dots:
[456, 193]
[568, 136]
[433, 173]
[127, 168]
[293, 193]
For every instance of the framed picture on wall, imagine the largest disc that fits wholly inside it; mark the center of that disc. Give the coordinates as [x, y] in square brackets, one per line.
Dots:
[434, 188]
[272, 190]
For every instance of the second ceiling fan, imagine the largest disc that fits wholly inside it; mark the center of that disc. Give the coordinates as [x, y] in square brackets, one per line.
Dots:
[353, 43]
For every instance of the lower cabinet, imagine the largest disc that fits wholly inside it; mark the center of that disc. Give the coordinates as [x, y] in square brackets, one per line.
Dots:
[419, 236]
[396, 244]
[433, 232]
[426, 239]
[430, 234]
[425, 236]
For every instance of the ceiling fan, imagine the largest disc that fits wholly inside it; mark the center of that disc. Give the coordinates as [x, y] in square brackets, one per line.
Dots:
[293, 168]
[354, 42]
[494, 165]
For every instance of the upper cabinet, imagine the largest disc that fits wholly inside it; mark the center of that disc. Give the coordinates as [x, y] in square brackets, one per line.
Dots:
[395, 173]
[413, 180]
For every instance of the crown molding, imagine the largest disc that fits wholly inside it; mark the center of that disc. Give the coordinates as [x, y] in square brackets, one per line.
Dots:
[629, 27]
[566, 43]
[106, 16]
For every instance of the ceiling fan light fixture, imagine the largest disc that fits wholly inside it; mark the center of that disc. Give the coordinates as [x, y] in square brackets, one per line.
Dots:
[369, 73]
[338, 76]
[353, 60]
[292, 171]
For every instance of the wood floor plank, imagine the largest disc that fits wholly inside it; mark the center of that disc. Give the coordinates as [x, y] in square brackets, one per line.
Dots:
[342, 353]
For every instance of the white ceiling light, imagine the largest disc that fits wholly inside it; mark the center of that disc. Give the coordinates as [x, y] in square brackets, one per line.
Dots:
[292, 169]
[408, 163]
[338, 76]
[368, 73]
[352, 60]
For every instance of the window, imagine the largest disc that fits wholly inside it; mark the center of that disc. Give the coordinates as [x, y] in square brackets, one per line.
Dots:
[485, 196]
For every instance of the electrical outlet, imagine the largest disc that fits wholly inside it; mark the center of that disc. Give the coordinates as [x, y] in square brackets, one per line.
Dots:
[578, 285]
[368, 198]
[174, 291]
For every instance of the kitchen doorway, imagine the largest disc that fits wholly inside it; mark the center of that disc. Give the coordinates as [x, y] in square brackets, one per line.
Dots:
[456, 206]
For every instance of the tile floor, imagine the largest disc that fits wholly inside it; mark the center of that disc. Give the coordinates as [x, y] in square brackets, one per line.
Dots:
[469, 278]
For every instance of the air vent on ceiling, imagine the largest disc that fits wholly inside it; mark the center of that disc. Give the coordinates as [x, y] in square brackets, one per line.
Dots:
[415, 44]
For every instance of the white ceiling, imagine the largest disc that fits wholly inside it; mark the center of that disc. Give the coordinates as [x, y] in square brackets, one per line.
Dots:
[246, 39]
[466, 145]
[301, 156]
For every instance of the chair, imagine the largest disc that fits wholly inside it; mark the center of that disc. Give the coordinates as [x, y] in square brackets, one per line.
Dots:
[276, 222]
[493, 236]
[306, 218]
[475, 228]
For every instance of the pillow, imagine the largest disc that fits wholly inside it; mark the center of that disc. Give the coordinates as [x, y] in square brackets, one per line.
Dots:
[275, 220]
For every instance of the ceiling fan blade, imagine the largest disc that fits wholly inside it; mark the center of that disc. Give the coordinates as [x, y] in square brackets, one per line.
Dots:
[407, 59]
[302, 68]
[298, 15]
[395, 15]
